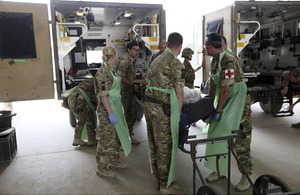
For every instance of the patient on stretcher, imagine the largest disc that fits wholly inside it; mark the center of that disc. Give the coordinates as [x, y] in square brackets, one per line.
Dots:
[194, 108]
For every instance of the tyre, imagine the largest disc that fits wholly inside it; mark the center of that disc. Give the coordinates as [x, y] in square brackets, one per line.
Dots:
[265, 106]
[72, 119]
[264, 182]
[203, 190]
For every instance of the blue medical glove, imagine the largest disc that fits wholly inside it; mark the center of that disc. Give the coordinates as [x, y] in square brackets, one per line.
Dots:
[113, 118]
[216, 116]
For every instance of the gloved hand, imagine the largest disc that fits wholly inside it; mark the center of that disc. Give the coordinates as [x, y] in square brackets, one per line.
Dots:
[216, 116]
[113, 118]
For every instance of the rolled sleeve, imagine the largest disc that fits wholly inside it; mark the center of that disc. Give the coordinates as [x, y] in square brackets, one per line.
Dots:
[122, 68]
[179, 74]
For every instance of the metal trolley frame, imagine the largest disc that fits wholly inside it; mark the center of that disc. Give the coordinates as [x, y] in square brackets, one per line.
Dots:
[261, 185]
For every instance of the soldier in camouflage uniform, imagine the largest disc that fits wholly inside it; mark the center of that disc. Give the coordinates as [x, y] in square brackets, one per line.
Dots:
[243, 145]
[162, 47]
[83, 112]
[108, 149]
[187, 54]
[126, 69]
[229, 90]
[164, 73]
[293, 77]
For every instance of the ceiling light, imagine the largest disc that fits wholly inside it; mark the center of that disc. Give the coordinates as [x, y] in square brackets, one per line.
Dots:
[127, 14]
[117, 23]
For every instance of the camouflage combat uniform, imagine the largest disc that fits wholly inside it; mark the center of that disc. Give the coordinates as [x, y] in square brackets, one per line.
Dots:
[242, 145]
[189, 75]
[126, 68]
[165, 72]
[81, 110]
[154, 56]
[108, 149]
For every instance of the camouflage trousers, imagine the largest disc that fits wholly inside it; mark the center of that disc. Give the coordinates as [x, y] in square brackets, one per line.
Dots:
[159, 140]
[83, 113]
[108, 148]
[243, 145]
[130, 107]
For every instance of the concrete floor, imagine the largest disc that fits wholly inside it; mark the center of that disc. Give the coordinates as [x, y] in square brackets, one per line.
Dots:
[47, 163]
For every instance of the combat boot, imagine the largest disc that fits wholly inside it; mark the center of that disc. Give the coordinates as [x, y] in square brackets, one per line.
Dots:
[105, 172]
[213, 177]
[243, 185]
[174, 188]
[92, 142]
[157, 184]
[78, 142]
[296, 125]
[117, 164]
[134, 141]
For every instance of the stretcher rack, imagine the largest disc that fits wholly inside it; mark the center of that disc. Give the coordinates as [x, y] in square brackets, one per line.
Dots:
[261, 185]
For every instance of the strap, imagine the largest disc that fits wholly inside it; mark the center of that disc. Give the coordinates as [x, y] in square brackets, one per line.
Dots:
[149, 99]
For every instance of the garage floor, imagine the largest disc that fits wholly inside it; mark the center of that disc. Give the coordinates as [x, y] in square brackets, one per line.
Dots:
[47, 163]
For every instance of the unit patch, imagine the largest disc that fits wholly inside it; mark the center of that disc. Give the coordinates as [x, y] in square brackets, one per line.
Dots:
[229, 74]
[183, 72]
[103, 85]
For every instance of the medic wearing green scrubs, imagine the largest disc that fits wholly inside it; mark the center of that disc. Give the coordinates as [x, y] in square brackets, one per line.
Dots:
[113, 126]
[229, 90]
[165, 87]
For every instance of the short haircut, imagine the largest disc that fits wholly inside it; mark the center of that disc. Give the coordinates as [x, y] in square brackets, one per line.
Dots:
[174, 40]
[295, 73]
[131, 44]
[214, 39]
[162, 42]
[225, 40]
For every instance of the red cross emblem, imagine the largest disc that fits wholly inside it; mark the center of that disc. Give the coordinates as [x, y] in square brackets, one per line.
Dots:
[229, 74]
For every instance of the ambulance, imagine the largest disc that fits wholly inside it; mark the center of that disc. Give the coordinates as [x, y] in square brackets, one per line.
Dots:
[265, 35]
[46, 49]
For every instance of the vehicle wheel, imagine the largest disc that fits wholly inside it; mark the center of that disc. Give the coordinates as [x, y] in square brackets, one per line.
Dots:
[264, 182]
[203, 190]
[266, 107]
[72, 119]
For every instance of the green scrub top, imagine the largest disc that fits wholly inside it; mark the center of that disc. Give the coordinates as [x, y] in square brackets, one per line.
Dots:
[231, 115]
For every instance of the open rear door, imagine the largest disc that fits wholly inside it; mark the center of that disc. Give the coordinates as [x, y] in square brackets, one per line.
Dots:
[220, 22]
[25, 52]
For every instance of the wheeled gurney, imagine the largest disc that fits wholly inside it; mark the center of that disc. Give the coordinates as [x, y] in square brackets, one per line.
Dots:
[201, 110]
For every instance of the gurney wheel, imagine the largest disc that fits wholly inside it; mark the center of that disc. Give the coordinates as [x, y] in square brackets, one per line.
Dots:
[265, 182]
[203, 190]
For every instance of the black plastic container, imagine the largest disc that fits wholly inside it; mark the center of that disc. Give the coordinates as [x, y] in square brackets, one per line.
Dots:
[5, 119]
[8, 146]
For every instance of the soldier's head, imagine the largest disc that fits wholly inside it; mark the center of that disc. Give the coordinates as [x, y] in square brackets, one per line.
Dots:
[162, 46]
[175, 42]
[187, 53]
[213, 44]
[295, 75]
[224, 42]
[109, 55]
[133, 48]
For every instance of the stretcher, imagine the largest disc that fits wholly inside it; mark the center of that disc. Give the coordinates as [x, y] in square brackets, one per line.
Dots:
[201, 110]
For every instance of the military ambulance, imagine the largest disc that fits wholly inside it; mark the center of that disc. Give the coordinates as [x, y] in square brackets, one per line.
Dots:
[46, 49]
[265, 35]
